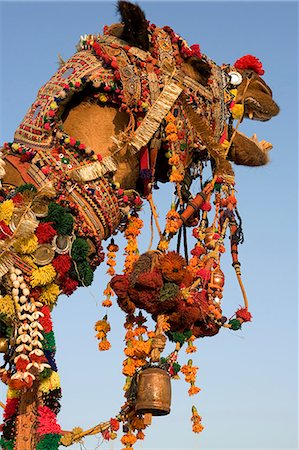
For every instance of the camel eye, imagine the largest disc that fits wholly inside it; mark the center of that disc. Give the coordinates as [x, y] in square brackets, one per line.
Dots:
[235, 78]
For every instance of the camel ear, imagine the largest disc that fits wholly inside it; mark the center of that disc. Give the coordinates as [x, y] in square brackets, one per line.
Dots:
[135, 25]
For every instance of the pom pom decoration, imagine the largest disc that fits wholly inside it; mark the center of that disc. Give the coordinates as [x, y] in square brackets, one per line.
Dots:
[45, 233]
[250, 62]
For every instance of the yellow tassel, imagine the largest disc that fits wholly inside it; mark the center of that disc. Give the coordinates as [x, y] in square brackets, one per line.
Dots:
[6, 210]
[237, 111]
[50, 383]
[225, 144]
[12, 393]
[49, 294]
[7, 307]
[26, 245]
[43, 275]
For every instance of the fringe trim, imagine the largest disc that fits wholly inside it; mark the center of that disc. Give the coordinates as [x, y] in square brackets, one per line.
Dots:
[26, 227]
[94, 170]
[2, 165]
[6, 262]
[155, 115]
[216, 151]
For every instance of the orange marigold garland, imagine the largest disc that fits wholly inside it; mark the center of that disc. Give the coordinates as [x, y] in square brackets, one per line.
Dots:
[191, 348]
[190, 372]
[197, 426]
[103, 327]
[132, 230]
[111, 255]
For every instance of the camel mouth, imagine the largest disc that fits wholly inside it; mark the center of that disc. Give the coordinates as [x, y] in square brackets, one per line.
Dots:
[255, 110]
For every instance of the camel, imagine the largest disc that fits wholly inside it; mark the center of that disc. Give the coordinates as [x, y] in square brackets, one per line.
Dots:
[92, 144]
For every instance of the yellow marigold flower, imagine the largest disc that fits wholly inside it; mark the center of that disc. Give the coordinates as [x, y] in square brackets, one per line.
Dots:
[111, 262]
[103, 98]
[171, 128]
[151, 334]
[172, 214]
[225, 144]
[197, 428]
[7, 307]
[66, 439]
[191, 349]
[107, 303]
[176, 176]
[129, 367]
[104, 345]
[108, 290]
[26, 245]
[140, 362]
[49, 294]
[100, 335]
[237, 111]
[6, 210]
[102, 325]
[129, 351]
[51, 383]
[174, 160]
[171, 227]
[43, 275]
[128, 438]
[142, 348]
[193, 390]
[140, 330]
[13, 393]
[163, 245]
[170, 118]
[173, 137]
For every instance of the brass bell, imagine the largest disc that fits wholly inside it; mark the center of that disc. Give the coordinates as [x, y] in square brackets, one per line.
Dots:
[209, 241]
[3, 345]
[153, 392]
[217, 279]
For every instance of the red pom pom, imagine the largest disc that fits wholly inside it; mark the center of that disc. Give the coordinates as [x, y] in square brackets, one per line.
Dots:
[46, 321]
[45, 233]
[206, 206]
[244, 314]
[10, 407]
[62, 264]
[5, 231]
[250, 62]
[69, 286]
[114, 424]
[47, 421]
[195, 50]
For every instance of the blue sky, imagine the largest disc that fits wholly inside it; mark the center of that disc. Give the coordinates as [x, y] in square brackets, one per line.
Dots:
[249, 378]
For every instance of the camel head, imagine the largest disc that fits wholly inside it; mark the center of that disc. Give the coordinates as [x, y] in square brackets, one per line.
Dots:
[252, 89]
